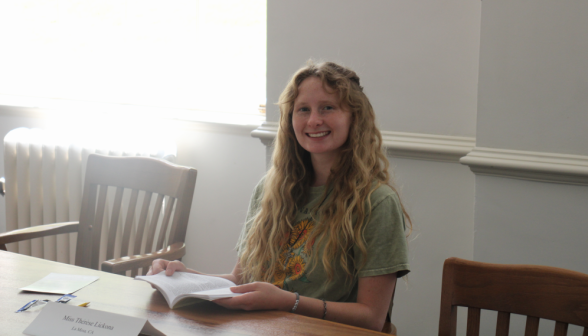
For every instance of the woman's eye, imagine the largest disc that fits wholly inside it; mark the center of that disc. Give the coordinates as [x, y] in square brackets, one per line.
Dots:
[303, 109]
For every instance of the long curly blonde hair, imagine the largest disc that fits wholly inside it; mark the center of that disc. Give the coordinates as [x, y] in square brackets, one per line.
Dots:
[361, 163]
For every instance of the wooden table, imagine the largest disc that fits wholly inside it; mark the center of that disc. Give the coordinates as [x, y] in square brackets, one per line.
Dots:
[124, 295]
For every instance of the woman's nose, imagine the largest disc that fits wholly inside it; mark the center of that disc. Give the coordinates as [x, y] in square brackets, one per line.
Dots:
[315, 119]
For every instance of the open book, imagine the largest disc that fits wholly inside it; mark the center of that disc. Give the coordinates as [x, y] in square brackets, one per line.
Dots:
[184, 288]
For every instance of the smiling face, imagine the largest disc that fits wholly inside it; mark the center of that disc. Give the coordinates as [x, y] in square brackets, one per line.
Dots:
[321, 123]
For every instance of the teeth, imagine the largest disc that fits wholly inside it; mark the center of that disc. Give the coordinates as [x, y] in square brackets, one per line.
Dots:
[316, 135]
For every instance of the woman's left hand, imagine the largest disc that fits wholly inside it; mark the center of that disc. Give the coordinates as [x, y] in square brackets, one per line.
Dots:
[259, 296]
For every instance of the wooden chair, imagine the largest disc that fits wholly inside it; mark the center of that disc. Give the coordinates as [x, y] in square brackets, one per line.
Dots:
[167, 191]
[535, 291]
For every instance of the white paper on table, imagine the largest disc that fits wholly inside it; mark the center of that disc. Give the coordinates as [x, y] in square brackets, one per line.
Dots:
[58, 283]
[65, 320]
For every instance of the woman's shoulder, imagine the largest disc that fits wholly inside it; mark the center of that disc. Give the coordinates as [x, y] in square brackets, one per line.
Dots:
[255, 201]
[261, 183]
[258, 190]
[382, 192]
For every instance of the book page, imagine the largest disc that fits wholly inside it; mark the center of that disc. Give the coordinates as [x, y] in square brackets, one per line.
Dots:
[184, 283]
[219, 293]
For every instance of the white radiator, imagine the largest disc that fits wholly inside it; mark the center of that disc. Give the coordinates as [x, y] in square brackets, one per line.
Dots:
[44, 175]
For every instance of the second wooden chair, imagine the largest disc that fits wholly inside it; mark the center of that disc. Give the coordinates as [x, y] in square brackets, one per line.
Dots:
[158, 231]
[535, 291]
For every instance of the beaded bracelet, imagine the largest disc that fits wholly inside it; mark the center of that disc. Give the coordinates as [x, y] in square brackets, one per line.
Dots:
[296, 303]
[325, 309]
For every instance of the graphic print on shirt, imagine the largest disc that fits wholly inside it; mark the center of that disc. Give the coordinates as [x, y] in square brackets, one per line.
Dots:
[293, 259]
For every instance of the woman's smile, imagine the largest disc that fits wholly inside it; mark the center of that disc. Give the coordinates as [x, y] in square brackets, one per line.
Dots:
[318, 135]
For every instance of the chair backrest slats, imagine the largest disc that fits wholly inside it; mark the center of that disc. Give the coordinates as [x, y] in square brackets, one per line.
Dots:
[183, 205]
[153, 224]
[532, 326]
[502, 324]
[85, 233]
[134, 272]
[473, 326]
[142, 222]
[132, 221]
[126, 238]
[169, 205]
[113, 227]
[97, 227]
[561, 329]
[174, 226]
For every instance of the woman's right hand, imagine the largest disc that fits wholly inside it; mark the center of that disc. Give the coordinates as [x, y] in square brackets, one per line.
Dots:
[170, 267]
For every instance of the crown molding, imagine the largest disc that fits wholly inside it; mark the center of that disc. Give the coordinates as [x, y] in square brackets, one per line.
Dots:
[535, 166]
[400, 144]
[427, 146]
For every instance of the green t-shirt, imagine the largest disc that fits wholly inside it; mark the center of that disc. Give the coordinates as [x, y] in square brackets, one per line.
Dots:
[385, 242]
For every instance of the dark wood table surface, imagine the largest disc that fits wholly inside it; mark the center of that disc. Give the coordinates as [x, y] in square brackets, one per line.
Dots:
[124, 295]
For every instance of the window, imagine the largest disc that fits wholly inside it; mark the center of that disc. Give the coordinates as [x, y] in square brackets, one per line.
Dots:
[186, 58]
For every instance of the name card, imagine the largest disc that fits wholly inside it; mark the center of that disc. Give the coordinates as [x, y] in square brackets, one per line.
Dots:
[66, 320]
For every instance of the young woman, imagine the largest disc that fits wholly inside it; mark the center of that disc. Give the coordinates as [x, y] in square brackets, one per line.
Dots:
[325, 231]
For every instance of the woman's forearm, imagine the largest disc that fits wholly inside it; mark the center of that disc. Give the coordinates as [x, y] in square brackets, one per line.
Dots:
[368, 312]
[352, 313]
[373, 301]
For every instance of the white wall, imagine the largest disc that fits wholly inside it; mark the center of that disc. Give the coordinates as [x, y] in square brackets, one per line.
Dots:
[229, 166]
[534, 76]
[229, 162]
[417, 60]
[418, 63]
[440, 198]
[533, 97]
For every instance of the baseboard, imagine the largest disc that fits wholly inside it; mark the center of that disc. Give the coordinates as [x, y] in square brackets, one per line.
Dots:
[535, 166]
[400, 144]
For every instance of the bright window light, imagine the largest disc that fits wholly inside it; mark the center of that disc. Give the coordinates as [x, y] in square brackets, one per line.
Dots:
[184, 57]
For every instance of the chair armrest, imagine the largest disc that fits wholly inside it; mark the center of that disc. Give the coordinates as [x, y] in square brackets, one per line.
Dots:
[121, 265]
[37, 232]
